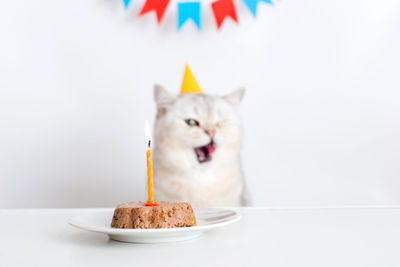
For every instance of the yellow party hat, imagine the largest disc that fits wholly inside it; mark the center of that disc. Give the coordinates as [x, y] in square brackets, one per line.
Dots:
[189, 83]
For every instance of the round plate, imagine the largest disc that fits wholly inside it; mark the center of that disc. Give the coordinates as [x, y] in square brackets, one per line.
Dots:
[206, 219]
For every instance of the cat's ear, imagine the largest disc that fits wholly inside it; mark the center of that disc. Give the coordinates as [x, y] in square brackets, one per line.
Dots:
[235, 97]
[163, 98]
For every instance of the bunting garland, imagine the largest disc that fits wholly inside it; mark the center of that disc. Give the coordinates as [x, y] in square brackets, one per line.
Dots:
[158, 6]
[126, 3]
[189, 10]
[221, 10]
[252, 5]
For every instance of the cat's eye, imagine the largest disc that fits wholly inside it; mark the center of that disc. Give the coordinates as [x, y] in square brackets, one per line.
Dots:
[192, 122]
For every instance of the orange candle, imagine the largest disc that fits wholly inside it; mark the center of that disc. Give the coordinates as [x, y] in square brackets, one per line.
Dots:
[149, 156]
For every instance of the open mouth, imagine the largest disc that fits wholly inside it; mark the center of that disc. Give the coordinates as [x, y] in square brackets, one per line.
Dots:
[203, 153]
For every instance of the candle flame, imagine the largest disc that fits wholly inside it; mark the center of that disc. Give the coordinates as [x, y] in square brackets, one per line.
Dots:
[147, 132]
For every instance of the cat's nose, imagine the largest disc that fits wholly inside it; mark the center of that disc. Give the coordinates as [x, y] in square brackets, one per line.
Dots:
[210, 133]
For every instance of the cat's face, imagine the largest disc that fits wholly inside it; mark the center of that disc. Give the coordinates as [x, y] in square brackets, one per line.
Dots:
[199, 123]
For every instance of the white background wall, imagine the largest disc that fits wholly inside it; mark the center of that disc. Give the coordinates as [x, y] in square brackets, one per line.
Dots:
[321, 113]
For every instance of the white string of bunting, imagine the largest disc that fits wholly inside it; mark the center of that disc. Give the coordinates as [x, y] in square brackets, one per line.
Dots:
[192, 10]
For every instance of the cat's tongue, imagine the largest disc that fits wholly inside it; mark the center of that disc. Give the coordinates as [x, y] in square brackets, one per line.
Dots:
[210, 148]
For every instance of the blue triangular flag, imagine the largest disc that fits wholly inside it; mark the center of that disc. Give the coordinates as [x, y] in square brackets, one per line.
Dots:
[252, 5]
[189, 10]
[126, 3]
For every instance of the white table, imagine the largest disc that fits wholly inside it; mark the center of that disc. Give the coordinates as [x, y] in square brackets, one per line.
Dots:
[264, 237]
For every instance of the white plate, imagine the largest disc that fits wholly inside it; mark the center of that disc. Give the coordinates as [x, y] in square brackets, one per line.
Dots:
[206, 219]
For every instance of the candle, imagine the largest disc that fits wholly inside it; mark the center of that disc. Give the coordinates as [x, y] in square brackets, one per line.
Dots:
[149, 156]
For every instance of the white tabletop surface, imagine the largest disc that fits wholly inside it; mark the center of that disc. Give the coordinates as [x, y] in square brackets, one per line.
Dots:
[264, 237]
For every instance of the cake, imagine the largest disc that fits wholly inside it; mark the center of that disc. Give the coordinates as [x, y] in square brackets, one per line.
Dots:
[136, 215]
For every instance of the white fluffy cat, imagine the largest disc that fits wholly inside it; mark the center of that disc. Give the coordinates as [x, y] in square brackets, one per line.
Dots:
[197, 149]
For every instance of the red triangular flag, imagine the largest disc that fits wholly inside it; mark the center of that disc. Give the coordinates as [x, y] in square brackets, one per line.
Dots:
[158, 6]
[223, 9]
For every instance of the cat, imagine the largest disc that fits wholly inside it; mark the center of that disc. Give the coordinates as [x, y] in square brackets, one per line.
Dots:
[197, 149]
